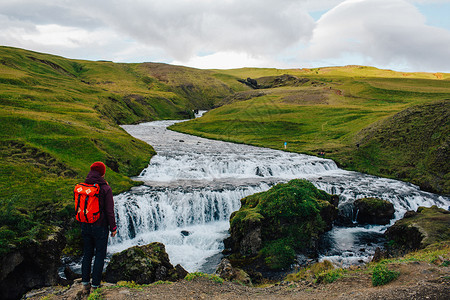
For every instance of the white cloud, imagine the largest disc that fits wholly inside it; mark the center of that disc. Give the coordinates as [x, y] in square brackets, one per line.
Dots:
[56, 35]
[384, 32]
[184, 28]
[226, 60]
[270, 33]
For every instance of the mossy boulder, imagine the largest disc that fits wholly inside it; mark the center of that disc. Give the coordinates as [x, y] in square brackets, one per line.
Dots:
[226, 271]
[34, 265]
[143, 265]
[373, 211]
[418, 230]
[272, 226]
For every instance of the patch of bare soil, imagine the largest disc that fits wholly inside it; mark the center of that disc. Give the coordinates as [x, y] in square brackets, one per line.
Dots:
[306, 97]
[418, 280]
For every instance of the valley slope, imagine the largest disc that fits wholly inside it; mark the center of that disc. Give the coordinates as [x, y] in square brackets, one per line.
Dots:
[59, 115]
[375, 121]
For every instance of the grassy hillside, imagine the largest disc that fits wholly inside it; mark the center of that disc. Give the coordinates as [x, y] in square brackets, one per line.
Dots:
[336, 109]
[412, 145]
[57, 116]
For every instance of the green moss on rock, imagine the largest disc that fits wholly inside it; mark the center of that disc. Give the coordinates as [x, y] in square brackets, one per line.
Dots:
[143, 264]
[418, 230]
[374, 211]
[273, 226]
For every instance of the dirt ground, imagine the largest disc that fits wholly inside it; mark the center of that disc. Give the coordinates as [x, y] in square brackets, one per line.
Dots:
[418, 280]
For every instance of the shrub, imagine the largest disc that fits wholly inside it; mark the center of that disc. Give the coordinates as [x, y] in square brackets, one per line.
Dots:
[445, 263]
[278, 254]
[192, 276]
[319, 272]
[382, 275]
[329, 276]
[96, 295]
[17, 228]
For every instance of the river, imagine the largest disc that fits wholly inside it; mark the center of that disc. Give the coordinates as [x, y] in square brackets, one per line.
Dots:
[193, 185]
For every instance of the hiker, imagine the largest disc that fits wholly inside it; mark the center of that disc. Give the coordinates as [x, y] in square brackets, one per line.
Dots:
[95, 235]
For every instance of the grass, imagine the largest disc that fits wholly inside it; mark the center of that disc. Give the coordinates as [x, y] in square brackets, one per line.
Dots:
[320, 272]
[214, 278]
[436, 253]
[58, 115]
[398, 120]
[382, 275]
[97, 294]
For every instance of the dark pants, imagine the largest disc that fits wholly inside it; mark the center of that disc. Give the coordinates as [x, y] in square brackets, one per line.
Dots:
[95, 240]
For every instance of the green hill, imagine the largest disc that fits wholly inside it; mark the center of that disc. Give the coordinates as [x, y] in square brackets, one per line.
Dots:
[58, 115]
[376, 121]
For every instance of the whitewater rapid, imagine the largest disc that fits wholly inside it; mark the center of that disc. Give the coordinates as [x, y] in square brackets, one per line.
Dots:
[194, 184]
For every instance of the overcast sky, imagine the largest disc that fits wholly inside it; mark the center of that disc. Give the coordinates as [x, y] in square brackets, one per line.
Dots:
[403, 35]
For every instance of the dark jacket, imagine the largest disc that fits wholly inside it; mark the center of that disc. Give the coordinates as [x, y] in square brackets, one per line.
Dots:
[106, 201]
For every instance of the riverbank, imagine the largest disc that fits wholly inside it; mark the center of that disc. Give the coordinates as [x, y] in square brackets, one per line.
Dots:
[417, 280]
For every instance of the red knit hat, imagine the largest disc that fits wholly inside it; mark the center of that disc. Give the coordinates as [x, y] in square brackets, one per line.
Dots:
[99, 167]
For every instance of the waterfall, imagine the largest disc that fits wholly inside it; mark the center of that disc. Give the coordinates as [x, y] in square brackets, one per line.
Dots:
[192, 223]
[404, 196]
[355, 219]
[193, 185]
[166, 209]
[196, 166]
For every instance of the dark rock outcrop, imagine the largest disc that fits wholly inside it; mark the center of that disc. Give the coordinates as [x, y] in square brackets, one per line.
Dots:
[70, 274]
[419, 229]
[247, 237]
[276, 81]
[226, 271]
[33, 266]
[143, 265]
[373, 211]
[379, 254]
[250, 82]
[272, 227]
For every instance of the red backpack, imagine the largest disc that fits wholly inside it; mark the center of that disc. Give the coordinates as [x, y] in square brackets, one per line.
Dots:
[87, 208]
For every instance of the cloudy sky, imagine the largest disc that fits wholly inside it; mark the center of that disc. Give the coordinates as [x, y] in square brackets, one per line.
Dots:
[404, 35]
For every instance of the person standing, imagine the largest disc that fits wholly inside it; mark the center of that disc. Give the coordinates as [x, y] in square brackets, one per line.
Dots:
[95, 235]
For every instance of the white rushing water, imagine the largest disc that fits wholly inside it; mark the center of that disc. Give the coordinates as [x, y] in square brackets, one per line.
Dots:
[193, 185]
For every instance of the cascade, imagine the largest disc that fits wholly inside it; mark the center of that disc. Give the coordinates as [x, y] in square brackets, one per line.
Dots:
[354, 220]
[193, 185]
[190, 222]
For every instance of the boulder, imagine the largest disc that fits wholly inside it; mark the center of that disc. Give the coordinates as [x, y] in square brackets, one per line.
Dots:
[272, 227]
[246, 238]
[33, 266]
[226, 271]
[373, 211]
[418, 230]
[143, 265]
[379, 255]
